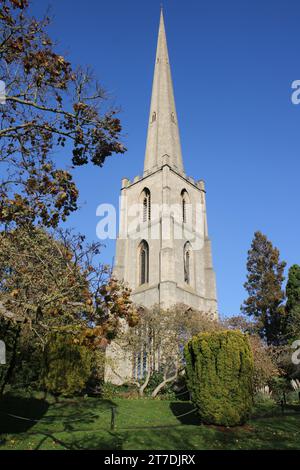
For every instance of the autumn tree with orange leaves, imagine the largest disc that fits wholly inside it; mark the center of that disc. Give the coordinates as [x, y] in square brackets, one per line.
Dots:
[49, 105]
[55, 284]
[54, 118]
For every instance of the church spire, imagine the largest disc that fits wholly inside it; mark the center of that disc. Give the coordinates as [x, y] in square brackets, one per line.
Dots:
[163, 132]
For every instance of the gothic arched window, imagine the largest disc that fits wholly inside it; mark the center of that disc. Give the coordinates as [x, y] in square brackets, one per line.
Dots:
[184, 202]
[187, 262]
[146, 201]
[144, 262]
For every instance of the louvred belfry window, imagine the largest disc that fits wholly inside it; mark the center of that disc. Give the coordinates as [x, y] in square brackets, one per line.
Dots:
[146, 205]
[184, 202]
[187, 262]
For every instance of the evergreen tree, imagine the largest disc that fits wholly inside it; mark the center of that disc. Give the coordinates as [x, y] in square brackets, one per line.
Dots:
[219, 370]
[293, 303]
[67, 365]
[264, 287]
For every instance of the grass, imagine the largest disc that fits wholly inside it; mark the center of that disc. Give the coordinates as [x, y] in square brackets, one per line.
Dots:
[85, 423]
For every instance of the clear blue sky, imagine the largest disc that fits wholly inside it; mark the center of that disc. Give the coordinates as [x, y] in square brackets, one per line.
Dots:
[233, 63]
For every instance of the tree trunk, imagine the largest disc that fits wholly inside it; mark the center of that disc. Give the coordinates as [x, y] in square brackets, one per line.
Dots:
[163, 384]
[148, 376]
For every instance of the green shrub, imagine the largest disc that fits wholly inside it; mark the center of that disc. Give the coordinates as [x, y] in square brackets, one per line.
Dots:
[280, 387]
[67, 366]
[155, 379]
[110, 391]
[219, 367]
[166, 393]
[264, 405]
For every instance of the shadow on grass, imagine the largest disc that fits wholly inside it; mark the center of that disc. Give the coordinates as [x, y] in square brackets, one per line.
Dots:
[111, 441]
[31, 409]
[275, 411]
[184, 413]
[79, 409]
[294, 408]
[64, 418]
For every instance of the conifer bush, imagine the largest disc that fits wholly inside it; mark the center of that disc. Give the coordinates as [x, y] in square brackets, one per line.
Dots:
[67, 366]
[219, 367]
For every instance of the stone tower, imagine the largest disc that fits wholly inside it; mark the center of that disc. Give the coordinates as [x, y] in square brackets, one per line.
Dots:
[163, 251]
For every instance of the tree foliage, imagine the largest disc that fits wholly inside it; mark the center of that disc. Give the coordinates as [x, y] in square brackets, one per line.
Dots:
[67, 365]
[49, 280]
[264, 286]
[265, 358]
[293, 303]
[55, 283]
[265, 367]
[157, 342]
[219, 367]
[49, 105]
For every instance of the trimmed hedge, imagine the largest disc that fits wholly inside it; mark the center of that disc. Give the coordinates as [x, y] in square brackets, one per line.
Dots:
[219, 367]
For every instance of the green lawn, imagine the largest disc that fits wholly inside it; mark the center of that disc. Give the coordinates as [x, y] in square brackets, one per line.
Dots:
[140, 424]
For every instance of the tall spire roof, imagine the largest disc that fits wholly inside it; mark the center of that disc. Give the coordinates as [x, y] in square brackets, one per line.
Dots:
[163, 132]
